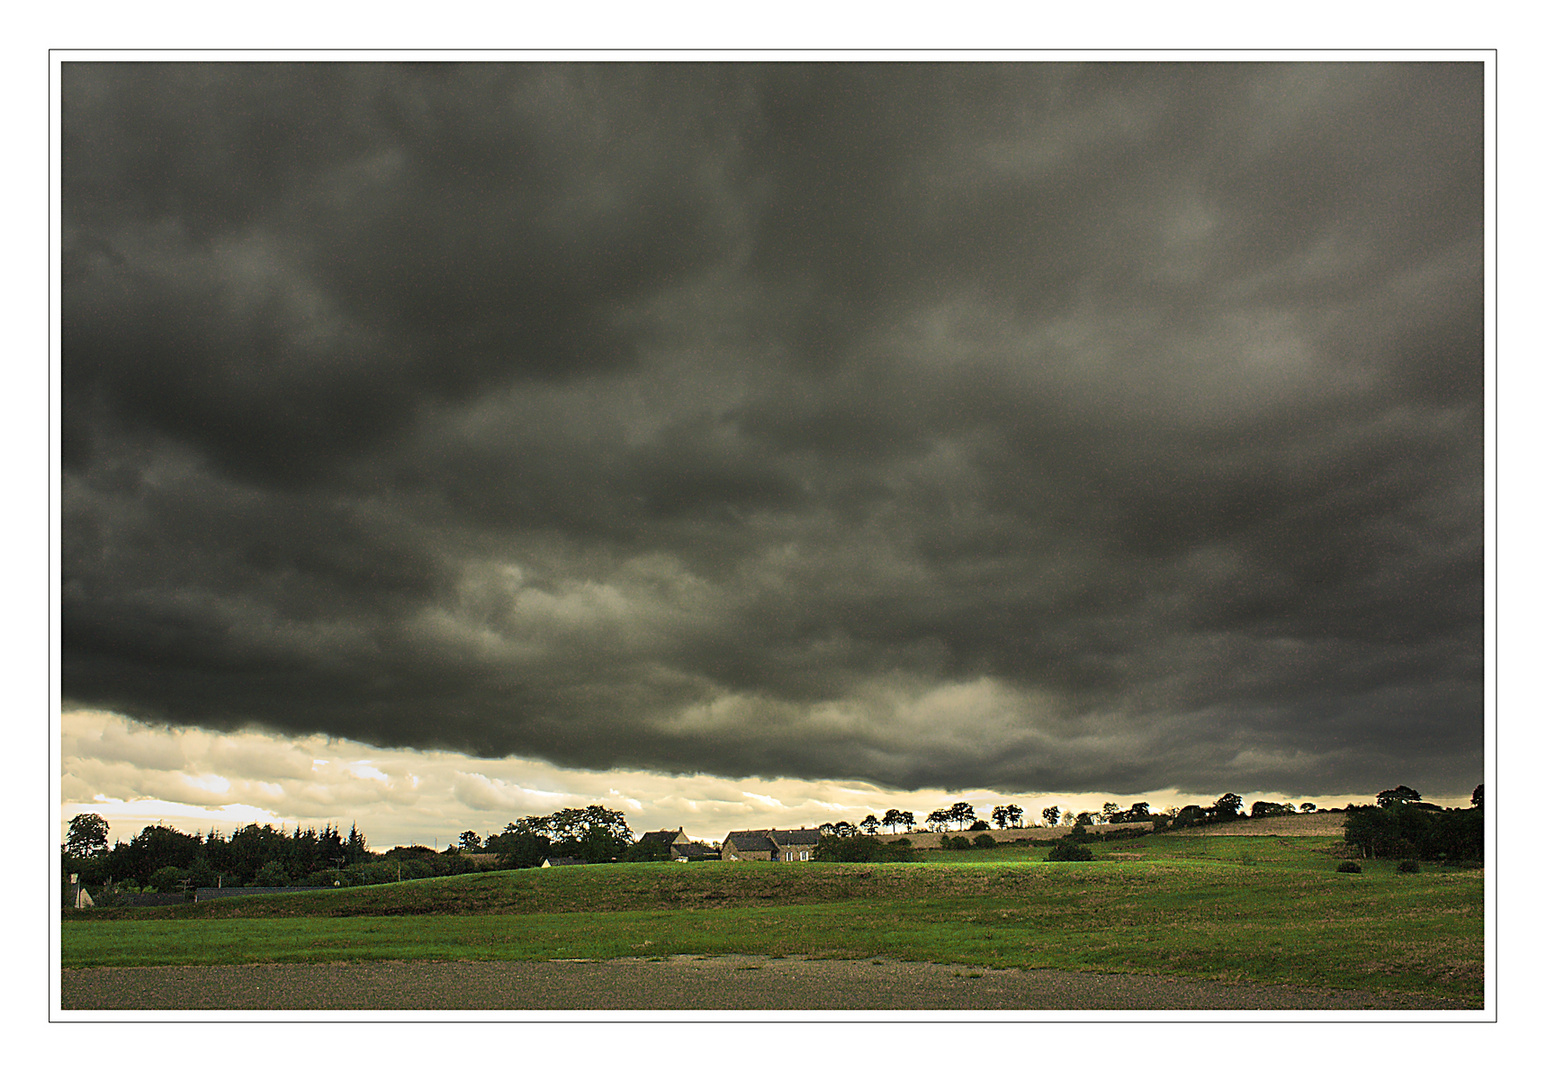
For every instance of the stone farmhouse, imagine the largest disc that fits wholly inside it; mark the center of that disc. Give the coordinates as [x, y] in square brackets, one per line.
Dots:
[679, 844]
[770, 845]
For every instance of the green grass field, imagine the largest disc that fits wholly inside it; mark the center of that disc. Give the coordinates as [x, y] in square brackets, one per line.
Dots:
[1266, 909]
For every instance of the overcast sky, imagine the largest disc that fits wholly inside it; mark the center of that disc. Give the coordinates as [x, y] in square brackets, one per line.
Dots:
[928, 427]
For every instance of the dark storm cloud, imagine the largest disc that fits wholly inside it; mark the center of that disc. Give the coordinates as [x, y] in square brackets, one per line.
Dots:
[1035, 427]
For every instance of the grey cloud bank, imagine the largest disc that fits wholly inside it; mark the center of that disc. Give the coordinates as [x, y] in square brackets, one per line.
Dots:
[1028, 427]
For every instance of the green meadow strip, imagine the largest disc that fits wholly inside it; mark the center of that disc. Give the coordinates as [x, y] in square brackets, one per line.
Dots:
[1266, 912]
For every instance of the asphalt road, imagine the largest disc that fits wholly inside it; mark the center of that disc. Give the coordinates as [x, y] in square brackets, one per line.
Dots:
[735, 983]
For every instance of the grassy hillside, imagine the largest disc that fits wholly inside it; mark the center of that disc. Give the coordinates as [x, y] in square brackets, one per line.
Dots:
[1267, 909]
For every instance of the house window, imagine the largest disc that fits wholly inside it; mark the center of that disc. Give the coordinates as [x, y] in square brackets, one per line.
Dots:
[805, 856]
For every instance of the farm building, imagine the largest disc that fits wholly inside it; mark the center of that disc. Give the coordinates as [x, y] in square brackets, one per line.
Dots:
[770, 845]
[678, 845]
[665, 837]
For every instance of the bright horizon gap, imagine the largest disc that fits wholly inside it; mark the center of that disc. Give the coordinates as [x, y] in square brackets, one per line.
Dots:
[136, 775]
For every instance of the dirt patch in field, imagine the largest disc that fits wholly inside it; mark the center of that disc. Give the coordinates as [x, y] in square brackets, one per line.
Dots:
[679, 983]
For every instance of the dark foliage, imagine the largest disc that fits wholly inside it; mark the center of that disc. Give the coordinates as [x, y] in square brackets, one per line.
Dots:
[168, 879]
[1398, 794]
[87, 836]
[1227, 808]
[644, 851]
[1139, 811]
[271, 875]
[863, 848]
[1069, 850]
[594, 834]
[1271, 809]
[1407, 866]
[1348, 866]
[519, 847]
[1408, 831]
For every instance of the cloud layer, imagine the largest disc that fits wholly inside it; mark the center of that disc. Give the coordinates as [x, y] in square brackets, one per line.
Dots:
[1031, 427]
[134, 775]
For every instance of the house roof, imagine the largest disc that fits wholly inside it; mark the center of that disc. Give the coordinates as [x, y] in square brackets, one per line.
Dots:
[692, 849]
[660, 836]
[773, 839]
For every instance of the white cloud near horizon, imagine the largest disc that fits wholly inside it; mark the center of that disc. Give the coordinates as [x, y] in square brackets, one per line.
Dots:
[136, 774]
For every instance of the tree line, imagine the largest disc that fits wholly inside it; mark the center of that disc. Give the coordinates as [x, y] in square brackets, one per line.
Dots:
[962, 816]
[1401, 826]
[164, 859]
[592, 834]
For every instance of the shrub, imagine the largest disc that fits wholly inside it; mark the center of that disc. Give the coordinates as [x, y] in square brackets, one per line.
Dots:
[978, 826]
[955, 843]
[648, 851]
[271, 875]
[862, 849]
[1348, 866]
[112, 894]
[1067, 850]
[983, 840]
[168, 879]
[1406, 866]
